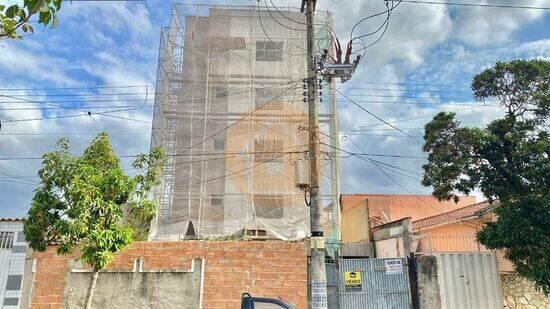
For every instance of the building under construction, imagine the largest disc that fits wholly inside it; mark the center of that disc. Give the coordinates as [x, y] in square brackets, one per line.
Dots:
[232, 116]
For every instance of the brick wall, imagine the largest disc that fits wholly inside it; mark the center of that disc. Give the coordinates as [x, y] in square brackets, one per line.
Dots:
[269, 269]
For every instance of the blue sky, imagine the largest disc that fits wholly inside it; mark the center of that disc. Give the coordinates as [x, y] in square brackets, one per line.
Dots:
[115, 44]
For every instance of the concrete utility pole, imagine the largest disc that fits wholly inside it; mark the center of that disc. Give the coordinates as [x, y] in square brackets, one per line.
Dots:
[318, 277]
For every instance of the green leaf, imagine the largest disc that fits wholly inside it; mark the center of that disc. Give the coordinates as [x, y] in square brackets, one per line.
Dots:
[44, 17]
[12, 11]
[88, 204]
[57, 4]
[507, 160]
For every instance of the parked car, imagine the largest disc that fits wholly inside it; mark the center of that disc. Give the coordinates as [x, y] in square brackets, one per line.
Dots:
[249, 302]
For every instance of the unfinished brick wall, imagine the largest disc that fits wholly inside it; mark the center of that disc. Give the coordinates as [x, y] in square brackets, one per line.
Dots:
[269, 269]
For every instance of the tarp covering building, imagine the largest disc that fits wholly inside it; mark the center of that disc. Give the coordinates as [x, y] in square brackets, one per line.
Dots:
[230, 113]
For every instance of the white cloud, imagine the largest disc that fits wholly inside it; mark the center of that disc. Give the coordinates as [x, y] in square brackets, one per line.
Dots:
[116, 44]
[19, 57]
[489, 26]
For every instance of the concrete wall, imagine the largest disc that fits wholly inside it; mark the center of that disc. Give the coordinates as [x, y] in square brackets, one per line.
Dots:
[519, 293]
[355, 224]
[122, 290]
[427, 282]
[392, 239]
[269, 269]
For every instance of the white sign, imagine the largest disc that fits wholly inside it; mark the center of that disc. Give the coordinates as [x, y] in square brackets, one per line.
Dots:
[394, 267]
[319, 293]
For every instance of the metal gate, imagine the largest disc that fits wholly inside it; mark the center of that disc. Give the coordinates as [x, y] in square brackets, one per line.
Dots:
[374, 284]
[469, 281]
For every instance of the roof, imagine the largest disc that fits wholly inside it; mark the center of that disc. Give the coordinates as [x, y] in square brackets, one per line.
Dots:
[11, 219]
[391, 207]
[382, 194]
[451, 216]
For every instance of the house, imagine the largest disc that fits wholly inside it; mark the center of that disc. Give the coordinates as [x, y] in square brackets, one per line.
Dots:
[12, 258]
[360, 212]
[453, 233]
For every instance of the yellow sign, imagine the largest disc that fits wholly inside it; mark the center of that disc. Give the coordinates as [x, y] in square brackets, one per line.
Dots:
[352, 278]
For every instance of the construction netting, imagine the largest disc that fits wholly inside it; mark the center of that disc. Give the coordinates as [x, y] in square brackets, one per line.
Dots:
[231, 116]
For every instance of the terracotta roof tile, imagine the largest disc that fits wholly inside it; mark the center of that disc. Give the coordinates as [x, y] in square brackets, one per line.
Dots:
[450, 216]
[11, 219]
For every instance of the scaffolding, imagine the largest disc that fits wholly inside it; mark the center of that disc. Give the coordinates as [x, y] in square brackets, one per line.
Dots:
[231, 115]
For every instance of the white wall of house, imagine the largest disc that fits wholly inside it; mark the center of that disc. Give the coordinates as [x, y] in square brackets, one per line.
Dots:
[12, 258]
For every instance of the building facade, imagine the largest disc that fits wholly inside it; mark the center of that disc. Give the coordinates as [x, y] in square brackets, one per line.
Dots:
[231, 116]
[12, 259]
[361, 212]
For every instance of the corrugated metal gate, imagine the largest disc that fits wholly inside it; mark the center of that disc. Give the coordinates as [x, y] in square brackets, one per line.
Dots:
[382, 284]
[469, 281]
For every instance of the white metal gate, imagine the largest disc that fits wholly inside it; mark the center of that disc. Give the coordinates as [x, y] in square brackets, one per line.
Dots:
[381, 284]
[469, 281]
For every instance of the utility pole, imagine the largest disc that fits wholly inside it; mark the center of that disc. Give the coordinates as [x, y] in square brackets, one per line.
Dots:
[318, 277]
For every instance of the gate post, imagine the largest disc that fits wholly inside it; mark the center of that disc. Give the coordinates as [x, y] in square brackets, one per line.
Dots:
[413, 281]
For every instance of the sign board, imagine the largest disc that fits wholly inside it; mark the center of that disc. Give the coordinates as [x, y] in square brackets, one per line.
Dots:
[353, 280]
[394, 266]
[319, 293]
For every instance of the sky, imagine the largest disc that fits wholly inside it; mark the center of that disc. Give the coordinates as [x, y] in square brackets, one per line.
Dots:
[422, 65]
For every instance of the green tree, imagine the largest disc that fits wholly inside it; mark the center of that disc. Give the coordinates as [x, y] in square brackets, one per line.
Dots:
[89, 205]
[15, 20]
[508, 161]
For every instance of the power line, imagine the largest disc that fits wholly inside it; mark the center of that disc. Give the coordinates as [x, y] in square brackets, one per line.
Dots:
[454, 103]
[291, 85]
[73, 101]
[88, 113]
[73, 88]
[407, 84]
[409, 90]
[503, 6]
[55, 108]
[351, 154]
[79, 94]
[71, 134]
[393, 179]
[366, 18]
[413, 118]
[227, 175]
[269, 38]
[406, 96]
[181, 155]
[375, 116]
